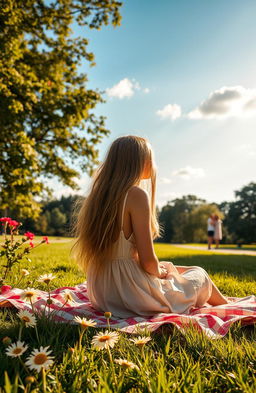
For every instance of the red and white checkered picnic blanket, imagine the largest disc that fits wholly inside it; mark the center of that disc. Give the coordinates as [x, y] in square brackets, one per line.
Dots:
[213, 321]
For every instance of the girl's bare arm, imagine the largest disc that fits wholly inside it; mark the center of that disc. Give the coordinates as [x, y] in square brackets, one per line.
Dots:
[139, 209]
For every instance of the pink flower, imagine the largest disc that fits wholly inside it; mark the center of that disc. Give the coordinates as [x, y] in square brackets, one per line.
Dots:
[31, 244]
[5, 219]
[29, 235]
[5, 288]
[13, 223]
[45, 240]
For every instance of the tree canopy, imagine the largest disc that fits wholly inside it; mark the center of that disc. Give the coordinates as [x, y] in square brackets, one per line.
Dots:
[184, 219]
[241, 215]
[47, 119]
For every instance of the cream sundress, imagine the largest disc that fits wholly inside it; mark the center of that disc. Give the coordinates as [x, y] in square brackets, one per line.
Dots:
[125, 289]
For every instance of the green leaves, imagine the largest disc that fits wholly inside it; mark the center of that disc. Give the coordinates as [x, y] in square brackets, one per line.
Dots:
[46, 110]
[241, 215]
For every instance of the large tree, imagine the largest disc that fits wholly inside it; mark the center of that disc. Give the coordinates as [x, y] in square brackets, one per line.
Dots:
[175, 218]
[241, 215]
[47, 120]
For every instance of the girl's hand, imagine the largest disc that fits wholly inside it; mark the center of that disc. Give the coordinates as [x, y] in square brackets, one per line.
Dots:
[169, 266]
[163, 272]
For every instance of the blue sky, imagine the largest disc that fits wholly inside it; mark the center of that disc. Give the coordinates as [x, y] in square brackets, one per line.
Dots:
[183, 75]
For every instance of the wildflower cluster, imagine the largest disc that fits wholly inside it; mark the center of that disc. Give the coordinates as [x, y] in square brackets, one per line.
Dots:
[13, 251]
[41, 359]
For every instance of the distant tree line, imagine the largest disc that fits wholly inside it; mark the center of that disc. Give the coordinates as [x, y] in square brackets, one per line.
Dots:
[55, 218]
[182, 219]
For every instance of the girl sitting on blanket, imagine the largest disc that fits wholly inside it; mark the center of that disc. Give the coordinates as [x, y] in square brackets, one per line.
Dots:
[115, 229]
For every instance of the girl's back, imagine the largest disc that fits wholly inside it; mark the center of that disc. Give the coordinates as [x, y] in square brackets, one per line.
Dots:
[122, 287]
[125, 289]
[124, 275]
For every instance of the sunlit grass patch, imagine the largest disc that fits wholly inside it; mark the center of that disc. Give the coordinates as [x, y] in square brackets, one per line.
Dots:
[170, 361]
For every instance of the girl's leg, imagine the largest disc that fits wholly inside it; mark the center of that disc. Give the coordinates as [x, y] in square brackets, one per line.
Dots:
[216, 298]
[182, 269]
[210, 240]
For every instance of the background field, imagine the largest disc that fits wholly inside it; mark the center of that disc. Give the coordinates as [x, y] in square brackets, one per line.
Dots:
[172, 362]
[228, 246]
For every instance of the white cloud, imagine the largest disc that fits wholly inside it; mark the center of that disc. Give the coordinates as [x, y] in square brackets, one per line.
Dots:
[229, 101]
[188, 172]
[125, 88]
[60, 190]
[170, 111]
[164, 180]
[246, 150]
[165, 197]
[146, 90]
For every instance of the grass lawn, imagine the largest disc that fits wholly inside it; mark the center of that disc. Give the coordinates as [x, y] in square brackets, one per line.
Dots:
[227, 246]
[170, 362]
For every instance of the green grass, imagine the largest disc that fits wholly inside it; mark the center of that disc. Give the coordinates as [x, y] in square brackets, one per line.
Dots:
[227, 246]
[170, 362]
[39, 238]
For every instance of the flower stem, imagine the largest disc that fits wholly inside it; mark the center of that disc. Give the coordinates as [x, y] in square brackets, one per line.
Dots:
[32, 306]
[33, 310]
[23, 364]
[112, 364]
[80, 339]
[6, 271]
[17, 283]
[108, 323]
[37, 335]
[20, 331]
[49, 298]
[44, 379]
[54, 312]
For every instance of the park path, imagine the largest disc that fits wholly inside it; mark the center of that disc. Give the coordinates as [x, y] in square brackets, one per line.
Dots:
[218, 251]
[189, 247]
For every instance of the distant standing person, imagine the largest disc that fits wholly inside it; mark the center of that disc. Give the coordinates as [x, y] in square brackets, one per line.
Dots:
[210, 230]
[218, 230]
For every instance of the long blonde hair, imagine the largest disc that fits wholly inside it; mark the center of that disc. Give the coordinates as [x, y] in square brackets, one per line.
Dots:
[96, 225]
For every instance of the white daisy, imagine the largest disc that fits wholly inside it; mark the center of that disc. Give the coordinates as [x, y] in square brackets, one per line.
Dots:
[105, 340]
[29, 294]
[46, 278]
[16, 349]
[141, 340]
[68, 297]
[85, 323]
[28, 318]
[24, 272]
[126, 364]
[39, 359]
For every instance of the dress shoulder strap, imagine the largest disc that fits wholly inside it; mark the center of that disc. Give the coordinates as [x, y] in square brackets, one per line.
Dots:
[123, 210]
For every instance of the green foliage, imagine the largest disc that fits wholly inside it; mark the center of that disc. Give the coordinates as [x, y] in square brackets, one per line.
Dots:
[55, 218]
[185, 219]
[14, 249]
[241, 215]
[46, 111]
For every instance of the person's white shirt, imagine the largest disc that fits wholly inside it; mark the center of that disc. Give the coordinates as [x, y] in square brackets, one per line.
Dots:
[210, 226]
